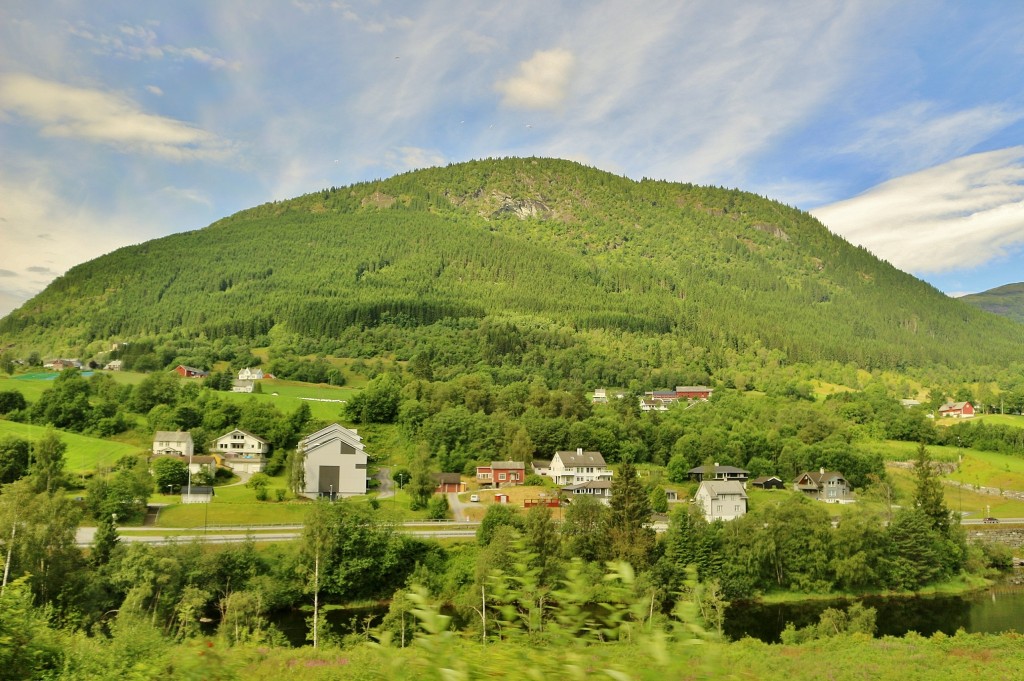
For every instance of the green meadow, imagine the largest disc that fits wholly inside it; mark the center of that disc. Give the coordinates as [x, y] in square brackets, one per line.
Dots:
[84, 453]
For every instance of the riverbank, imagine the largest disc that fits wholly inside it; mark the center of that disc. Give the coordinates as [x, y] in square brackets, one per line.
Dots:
[960, 586]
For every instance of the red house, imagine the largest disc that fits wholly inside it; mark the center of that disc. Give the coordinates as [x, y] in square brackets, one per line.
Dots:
[189, 372]
[957, 410]
[501, 474]
[693, 392]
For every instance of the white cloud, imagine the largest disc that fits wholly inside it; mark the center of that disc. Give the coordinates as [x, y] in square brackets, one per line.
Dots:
[410, 158]
[44, 234]
[142, 42]
[542, 81]
[66, 111]
[957, 215]
[917, 135]
[154, 90]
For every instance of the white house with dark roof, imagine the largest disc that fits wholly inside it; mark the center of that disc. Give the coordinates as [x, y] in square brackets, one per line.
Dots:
[334, 462]
[721, 499]
[599, 489]
[570, 468]
[241, 451]
[247, 374]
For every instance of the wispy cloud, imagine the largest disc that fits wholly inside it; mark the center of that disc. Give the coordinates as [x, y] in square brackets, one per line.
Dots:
[410, 158]
[541, 83]
[61, 110]
[142, 42]
[920, 135]
[960, 214]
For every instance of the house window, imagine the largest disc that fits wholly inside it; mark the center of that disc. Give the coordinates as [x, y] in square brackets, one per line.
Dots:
[501, 476]
[736, 509]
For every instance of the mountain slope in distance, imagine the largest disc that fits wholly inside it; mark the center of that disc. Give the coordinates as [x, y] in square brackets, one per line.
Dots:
[1007, 301]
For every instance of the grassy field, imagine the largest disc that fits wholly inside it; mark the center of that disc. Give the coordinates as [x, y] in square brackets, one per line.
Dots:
[84, 454]
[991, 419]
[287, 396]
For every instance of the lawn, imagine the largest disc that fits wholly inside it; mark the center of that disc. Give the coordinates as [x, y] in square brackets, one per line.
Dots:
[84, 454]
[325, 401]
[960, 500]
[1013, 420]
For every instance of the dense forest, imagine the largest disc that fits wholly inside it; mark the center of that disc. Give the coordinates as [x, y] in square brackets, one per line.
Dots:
[1007, 301]
[533, 255]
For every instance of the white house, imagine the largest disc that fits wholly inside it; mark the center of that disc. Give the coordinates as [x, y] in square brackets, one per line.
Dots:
[242, 452]
[248, 374]
[570, 468]
[721, 499]
[334, 463]
[240, 386]
[173, 443]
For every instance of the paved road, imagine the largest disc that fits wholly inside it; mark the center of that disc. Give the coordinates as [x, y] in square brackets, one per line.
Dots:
[224, 535]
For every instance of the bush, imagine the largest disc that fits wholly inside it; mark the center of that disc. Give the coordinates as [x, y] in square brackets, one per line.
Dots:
[437, 507]
[535, 480]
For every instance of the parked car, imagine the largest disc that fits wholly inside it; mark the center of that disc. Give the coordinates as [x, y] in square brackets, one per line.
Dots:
[990, 520]
[474, 497]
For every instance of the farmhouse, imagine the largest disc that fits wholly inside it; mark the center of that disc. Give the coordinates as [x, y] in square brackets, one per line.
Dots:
[599, 489]
[334, 463]
[501, 474]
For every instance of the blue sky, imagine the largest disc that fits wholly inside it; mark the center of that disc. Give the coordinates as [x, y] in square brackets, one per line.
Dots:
[900, 125]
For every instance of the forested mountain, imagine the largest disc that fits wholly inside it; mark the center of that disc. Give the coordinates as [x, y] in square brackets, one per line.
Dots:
[525, 254]
[1007, 301]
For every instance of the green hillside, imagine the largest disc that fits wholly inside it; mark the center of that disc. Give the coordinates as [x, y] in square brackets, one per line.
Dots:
[1007, 301]
[520, 254]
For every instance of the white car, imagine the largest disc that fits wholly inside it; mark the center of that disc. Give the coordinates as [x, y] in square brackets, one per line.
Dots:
[474, 497]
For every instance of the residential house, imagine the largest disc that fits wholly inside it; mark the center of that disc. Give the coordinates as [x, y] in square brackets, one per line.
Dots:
[242, 452]
[957, 410]
[909, 403]
[541, 466]
[654, 404]
[240, 386]
[600, 396]
[189, 372]
[721, 499]
[196, 463]
[599, 489]
[718, 472]
[248, 374]
[114, 365]
[173, 443]
[570, 468]
[828, 486]
[501, 474]
[768, 482]
[448, 483]
[334, 463]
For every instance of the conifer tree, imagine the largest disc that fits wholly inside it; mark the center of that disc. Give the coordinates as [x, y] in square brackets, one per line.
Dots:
[629, 519]
[928, 492]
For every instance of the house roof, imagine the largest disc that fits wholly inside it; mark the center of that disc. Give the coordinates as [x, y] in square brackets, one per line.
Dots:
[242, 383]
[693, 389]
[581, 458]
[447, 478]
[817, 478]
[703, 470]
[594, 484]
[764, 478]
[541, 463]
[172, 436]
[508, 465]
[717, 488]
[328, 433]
[953, 406]
[245, 433]
[195, 458]
[198, 489]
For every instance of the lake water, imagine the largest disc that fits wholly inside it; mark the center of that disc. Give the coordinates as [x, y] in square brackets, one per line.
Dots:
[993, 611]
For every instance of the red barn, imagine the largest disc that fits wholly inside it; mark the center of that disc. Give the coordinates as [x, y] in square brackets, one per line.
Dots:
[189, 372]
[957, 410]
